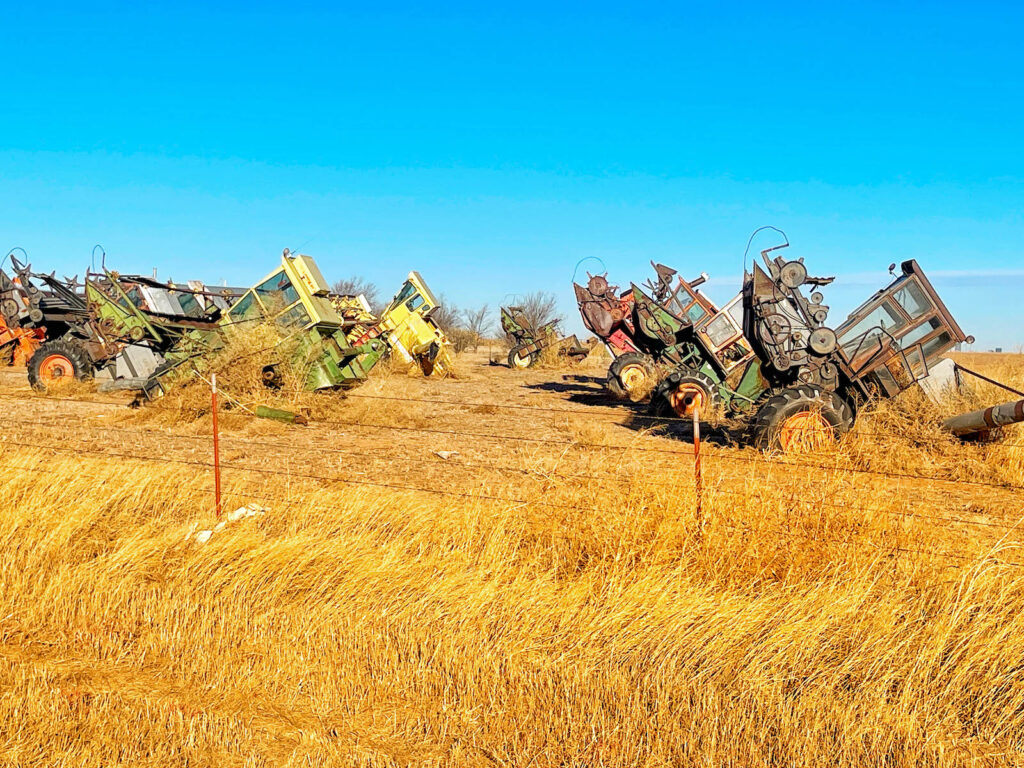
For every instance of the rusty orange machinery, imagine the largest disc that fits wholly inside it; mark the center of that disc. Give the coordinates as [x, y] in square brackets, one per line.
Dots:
[18, 344]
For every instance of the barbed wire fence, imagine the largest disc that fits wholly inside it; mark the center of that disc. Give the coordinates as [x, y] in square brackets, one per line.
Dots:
[693, 460]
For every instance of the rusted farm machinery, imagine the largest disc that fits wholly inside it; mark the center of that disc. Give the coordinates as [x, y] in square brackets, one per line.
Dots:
[528, 342]
[768, 356]
[130, 332]
[406, 328]
[649, 330]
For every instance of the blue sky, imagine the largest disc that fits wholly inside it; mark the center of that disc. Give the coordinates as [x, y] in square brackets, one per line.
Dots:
[492, 148]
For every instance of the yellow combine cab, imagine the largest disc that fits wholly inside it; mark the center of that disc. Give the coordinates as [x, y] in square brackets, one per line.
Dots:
[296, 297]
[406, 325]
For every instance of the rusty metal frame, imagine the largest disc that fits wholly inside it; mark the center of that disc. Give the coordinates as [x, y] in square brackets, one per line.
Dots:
[861, 363]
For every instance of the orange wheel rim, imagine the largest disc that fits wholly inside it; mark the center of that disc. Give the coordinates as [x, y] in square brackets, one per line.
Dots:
[632, 377]
[805, 431]
[55, 369]
[688, 398]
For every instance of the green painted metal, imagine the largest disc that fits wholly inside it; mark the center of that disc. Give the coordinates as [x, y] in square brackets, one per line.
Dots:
[656, 322]
[288, 417]
[117, 318]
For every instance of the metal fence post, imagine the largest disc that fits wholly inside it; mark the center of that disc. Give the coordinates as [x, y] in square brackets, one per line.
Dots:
[697, 479]
[216, 444]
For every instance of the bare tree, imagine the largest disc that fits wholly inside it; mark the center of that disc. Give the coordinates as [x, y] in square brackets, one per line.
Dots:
[475, 324]
[353, 286]
[446, 315]
[478, 322]
[540, 308]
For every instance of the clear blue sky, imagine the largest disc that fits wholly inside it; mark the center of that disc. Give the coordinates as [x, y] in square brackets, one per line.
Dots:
[493, 146]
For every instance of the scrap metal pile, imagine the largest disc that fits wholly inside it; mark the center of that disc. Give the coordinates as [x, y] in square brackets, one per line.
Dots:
[133, 332]
[769, 357]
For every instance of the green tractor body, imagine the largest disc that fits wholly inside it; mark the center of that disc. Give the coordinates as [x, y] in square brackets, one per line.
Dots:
[134, 332]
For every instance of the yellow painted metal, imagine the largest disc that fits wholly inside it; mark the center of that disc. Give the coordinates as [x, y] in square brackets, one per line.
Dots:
[409, 328]
[305, 278]
[308, 273]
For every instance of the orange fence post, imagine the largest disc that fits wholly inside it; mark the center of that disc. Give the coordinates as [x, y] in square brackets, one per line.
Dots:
[697, 479]
[216, 444]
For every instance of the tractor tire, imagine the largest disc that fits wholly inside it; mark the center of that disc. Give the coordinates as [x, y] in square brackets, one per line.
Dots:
[519, 361]
[847, 410]
[57, 361]
[799, 418]
[682, 391]
[631, 377]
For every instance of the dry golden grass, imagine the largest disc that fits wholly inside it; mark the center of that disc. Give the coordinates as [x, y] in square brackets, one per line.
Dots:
[822, 617]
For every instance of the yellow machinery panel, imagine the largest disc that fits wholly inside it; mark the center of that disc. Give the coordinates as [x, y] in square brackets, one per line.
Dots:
[308, 273]
[409, 328]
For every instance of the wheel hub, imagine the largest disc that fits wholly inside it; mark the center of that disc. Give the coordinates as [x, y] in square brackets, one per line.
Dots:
[55, 369]
[805, 431]
[521, 361]
[633, 377]
[687, 398]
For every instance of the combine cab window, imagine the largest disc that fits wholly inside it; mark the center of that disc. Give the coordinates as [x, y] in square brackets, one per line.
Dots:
[696, 313]
[922, 330]
[296, 317]
[407, 290]
[135, 298]
[937, 346]
[915, 360]
[246, 308]
[735, 310]
[912, 299]
[277, 292]
[720, 330]
[414, 303]
[189, 305]
[881, 321]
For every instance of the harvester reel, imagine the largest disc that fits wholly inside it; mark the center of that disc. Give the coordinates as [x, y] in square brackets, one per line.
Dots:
[684, 392]
[598, 285]
[631, 376]
[799, 419]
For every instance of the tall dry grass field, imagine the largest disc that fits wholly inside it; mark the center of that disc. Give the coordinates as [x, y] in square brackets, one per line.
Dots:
[518, 603]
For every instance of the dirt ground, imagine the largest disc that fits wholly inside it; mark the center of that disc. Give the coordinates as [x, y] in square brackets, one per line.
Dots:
[471, 433]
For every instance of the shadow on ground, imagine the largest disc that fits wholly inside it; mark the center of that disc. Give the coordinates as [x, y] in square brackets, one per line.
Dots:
[590, 390]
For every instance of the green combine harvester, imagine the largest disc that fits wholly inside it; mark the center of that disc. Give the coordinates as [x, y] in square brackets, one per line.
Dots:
[132, 332]
[768, 357]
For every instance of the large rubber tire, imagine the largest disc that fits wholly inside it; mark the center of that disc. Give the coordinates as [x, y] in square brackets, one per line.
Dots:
[847, 410]
[56, 360]
[631, 376]
[520, 362]
[683, 390]
[802, 417]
